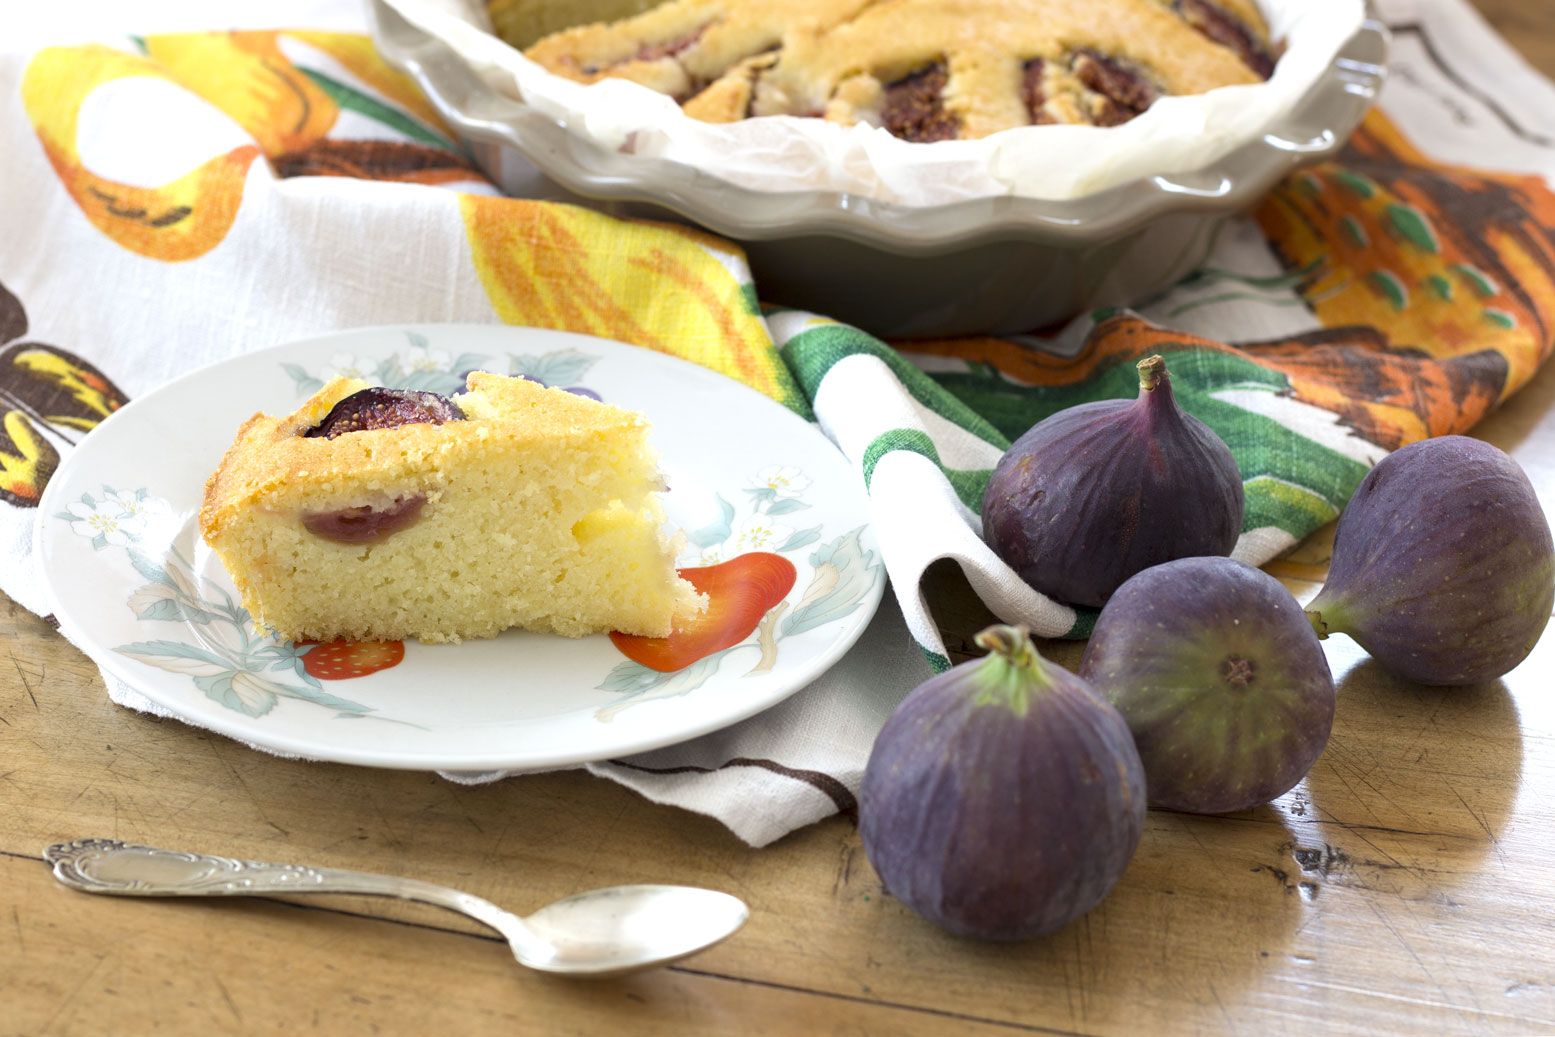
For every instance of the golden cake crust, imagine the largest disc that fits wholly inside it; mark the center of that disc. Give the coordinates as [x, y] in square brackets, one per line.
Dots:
[270, 453]
[924, 69]
[525, 507]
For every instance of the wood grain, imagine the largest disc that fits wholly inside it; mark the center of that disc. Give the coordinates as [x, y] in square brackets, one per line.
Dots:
[93, 965]
[1398, 879]
[1529, 26]
[1405, 886]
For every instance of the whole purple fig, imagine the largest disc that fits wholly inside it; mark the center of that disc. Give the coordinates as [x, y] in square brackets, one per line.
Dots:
[1003, 798]
[1099, 492]
[1443, 566]
[1221, 679]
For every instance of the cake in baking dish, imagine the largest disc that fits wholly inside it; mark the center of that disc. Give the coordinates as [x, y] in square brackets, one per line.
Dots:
[925, 70]
[373, 514]
[522, 22]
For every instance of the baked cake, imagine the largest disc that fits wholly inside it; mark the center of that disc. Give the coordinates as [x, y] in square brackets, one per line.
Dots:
[522, 22]
[926, 70]
[375, 514]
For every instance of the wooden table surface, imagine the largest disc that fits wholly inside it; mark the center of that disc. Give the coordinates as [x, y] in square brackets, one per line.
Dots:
[1408, 885]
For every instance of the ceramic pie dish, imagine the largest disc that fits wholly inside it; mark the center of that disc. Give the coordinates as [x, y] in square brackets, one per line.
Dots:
[1001, 264]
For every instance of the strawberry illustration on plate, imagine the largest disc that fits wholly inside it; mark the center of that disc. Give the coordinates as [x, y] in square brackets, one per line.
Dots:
[343, 660]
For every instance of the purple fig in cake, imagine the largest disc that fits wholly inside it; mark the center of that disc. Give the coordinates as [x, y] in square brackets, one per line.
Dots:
[1096, 493]
[366, 524]
[1443, 567]
[380, 408]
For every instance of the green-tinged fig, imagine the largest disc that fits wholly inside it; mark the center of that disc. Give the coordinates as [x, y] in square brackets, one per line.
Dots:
[1220, 678]
[1004, 797]
[1099, 492]
[1443, 565]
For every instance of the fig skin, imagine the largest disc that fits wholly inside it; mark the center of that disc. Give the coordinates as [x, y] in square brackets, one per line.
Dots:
[1003, 798]
[1096, 493]
[366, 524]
[1443, 566]
[1220, 678]
[375, 408]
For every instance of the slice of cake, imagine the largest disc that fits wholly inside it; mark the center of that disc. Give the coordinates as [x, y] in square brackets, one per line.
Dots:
[376, 514]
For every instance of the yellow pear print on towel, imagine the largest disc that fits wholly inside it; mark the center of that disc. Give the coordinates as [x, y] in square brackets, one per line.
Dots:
[290, 110]
[246, 75]
[549, 265]
[358, 56]
[178, 220]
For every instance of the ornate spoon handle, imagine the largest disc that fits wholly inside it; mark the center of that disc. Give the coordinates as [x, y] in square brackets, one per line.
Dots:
[125, 869]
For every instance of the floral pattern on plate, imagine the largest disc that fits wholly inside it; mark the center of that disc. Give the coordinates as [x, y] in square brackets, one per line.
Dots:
[233, 664]
[423, 367]
[842, 573]
[230, 664]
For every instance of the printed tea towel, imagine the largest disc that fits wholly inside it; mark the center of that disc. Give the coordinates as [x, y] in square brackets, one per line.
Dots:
[171, 195]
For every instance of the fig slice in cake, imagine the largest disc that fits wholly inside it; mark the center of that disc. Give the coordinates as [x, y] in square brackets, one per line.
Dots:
[509, 505]
[365, 523]
[378, 408]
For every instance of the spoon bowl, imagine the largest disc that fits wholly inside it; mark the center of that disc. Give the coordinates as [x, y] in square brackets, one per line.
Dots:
[600, 933]
[620, 929]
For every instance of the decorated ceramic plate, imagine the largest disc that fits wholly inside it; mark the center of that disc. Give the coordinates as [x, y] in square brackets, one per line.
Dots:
[756, 491]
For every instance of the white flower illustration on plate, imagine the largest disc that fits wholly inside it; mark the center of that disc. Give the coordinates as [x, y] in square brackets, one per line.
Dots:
[142, 510]
[104, 519]
[759, 533]
[213, 640]
[785, 481]
[420, 358]
[345, 365]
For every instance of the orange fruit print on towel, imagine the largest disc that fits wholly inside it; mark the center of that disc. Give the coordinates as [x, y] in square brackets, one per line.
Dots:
[177, 220]
[287, 110]
[1443, 278]
[291, 109]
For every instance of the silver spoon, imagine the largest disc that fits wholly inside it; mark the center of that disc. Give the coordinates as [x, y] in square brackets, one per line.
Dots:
[604, 932]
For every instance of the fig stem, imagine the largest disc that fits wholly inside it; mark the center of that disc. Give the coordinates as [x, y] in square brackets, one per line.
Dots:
[1014, 643]
[1319, 624]
[1152, 372]
[1012, 670]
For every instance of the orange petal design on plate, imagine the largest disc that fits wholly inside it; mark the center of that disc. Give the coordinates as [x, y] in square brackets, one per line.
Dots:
[739, 592]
